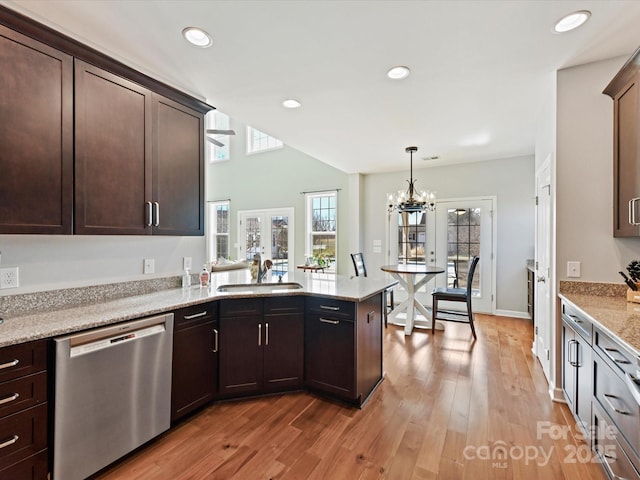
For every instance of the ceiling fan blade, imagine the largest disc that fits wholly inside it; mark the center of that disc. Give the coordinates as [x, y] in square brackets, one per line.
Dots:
[221, 132]
[215, 142]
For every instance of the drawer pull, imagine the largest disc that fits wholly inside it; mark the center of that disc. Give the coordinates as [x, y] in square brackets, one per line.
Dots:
[607, 396]
[575, 318]
[332, 322]
[9, 399]
[613, 359]
[11, 441]
[195, 315]
[10, 364]
[633, 384]
[259, 334]
[329, 307]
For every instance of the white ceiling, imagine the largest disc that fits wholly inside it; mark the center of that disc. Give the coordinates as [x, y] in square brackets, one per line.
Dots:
[480, 69]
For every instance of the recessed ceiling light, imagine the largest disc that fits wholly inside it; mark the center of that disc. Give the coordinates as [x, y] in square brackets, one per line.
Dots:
[198, 37]
[291, 103]
[571, 21]
[398, 73]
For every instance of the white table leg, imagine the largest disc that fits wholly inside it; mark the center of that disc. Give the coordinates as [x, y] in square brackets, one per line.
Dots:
[411, 304]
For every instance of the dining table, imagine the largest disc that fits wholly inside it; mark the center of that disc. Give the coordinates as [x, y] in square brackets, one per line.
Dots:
[412, 277]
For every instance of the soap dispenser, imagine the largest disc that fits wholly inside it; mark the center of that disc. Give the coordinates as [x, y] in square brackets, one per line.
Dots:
[204, 276]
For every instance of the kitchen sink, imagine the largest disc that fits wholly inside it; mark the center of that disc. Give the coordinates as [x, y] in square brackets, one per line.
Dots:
[259, 287]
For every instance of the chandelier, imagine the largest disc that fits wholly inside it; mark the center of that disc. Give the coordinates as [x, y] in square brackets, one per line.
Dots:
[411, 200]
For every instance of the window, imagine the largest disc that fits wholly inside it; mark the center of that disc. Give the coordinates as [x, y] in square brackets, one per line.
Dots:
[215, 119]
[412, 237]
[322, 229]
[463, 243]
[218, 230]
[258, 141]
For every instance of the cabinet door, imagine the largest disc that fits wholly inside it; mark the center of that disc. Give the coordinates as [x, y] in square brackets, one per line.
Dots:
[283, 352]
[330, 355]
[36, 135]
[569, 358]
[240, 346]
[626, 181]
[178, 169]
[369, 345]
[195, 367]
[113, 154]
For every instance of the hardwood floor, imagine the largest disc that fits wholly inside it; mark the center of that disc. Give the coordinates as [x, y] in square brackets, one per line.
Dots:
[449, 408]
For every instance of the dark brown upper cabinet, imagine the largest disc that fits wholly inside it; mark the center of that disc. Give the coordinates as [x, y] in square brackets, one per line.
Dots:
[113, 154]
[139, 167]
[36, 136]
[623, 89]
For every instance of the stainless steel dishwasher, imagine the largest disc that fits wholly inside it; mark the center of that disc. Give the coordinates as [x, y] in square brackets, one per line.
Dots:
[112, 393]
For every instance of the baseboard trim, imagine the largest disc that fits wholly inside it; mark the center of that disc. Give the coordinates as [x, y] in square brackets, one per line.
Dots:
[513, 313]
[556, 394]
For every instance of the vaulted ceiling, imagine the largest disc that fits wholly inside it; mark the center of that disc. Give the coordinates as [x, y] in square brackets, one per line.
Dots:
[480, 70]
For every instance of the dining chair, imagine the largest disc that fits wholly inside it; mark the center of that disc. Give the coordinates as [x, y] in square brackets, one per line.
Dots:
[361, 271]
[455, 295]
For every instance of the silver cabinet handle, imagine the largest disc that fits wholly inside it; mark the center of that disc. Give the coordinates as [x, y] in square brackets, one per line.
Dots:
[195, 315]
[9, 399]
[613, 359]
[215, 340]
[607, 396]
[632, 211]
[266, 334]
[10, 364]
[157, 209]
[570, 343]
[149, 213]
[329, 307]
[332, 322]
[259, 334]
[11, 441]
[633, 386]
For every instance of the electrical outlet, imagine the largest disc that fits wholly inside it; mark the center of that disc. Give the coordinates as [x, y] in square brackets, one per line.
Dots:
[149, 265]
[9, 278]
[186, 263]
[573, 269]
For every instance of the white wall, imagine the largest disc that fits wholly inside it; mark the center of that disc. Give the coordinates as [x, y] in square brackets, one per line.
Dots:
[584, 169]
[511, 180]
[49, 262]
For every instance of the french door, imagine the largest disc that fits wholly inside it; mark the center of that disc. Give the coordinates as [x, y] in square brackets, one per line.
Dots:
[464, 229]
[268, 233]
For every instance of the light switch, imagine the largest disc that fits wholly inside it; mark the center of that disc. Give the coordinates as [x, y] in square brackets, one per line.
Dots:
[573, 269]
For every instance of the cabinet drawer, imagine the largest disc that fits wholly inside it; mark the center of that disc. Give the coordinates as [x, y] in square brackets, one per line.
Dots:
[618, 357]
[241, 307]
[23, 392]
[605, 443]
[283, 305]
[187, 317]
[23, 434]
[578, 321]
[616, 400]
[35, 467]
[331, 307]
[22, 359]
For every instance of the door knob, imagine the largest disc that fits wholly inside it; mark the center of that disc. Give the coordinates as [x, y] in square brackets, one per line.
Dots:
[541, 279]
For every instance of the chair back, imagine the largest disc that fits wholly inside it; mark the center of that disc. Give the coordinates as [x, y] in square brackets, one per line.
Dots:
[358, 264]
[472, 270]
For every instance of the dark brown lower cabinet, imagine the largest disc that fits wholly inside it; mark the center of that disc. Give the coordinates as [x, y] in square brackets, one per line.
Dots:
[195, 359]
[343, 347]
[261, 342]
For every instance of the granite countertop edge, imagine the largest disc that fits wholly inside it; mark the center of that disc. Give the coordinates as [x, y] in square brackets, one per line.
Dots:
[66, 320]
[614, 315]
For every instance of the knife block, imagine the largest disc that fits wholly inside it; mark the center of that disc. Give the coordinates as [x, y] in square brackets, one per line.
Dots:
[633, 296]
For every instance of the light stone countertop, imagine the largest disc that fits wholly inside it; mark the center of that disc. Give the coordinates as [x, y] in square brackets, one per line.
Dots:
[61, 321]
[614, 314]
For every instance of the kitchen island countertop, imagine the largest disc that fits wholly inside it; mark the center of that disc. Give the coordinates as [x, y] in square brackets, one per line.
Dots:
[61, 321]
